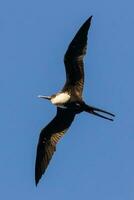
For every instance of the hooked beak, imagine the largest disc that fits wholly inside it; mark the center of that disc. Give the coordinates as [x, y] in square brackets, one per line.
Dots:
[44, 97]
[97, 112]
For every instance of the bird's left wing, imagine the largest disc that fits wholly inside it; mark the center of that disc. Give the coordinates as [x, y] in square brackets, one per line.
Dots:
[49, 137]
[73, 60]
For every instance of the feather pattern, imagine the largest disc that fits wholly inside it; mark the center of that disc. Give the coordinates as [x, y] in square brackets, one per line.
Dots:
[49, 137]
[73, 60]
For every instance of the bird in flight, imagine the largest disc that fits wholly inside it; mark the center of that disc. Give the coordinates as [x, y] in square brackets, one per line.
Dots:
[69, 101]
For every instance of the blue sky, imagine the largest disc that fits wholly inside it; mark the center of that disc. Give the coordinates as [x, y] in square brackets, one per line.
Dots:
[95, 158]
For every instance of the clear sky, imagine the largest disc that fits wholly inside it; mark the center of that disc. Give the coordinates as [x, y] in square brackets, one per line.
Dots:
[95, 159]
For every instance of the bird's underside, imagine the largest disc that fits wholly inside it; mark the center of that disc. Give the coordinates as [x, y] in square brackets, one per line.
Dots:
[51, 134]
[73, 61]
[69, 101]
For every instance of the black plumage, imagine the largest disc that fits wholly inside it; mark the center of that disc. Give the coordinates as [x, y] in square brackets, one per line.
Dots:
[49, 137]
[71, 104]
[73, 60]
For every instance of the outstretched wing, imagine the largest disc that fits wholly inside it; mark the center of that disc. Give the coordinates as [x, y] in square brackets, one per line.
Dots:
[49, 137]
[74, 60]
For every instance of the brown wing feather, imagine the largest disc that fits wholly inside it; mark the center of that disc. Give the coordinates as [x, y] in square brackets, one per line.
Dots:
[49, 137]
[74, 60]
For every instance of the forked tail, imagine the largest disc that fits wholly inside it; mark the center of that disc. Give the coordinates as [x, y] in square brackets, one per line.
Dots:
[97, 112]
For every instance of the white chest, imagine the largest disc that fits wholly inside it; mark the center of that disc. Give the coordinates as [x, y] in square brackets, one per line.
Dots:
[60, 98]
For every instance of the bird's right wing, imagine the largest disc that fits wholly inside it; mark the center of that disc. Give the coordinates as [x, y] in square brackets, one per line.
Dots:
[73, 60]
[49, 137]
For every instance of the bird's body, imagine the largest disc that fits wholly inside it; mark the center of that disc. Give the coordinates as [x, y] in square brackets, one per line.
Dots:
[69, 101]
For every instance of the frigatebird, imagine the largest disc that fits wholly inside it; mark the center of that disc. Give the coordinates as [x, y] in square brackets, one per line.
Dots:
[69, 101]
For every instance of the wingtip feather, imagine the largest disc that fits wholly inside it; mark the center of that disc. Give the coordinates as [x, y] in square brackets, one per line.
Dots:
[36, 180]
